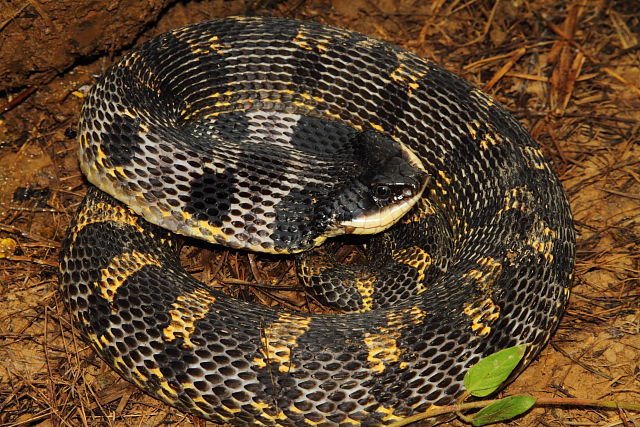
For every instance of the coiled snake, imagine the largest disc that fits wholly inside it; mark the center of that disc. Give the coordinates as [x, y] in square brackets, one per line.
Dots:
[271, 135]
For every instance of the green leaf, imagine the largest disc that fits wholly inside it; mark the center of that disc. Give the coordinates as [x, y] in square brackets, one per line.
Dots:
[502, 410]
[485, 377]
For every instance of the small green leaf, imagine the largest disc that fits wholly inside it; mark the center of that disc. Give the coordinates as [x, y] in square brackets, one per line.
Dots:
[485, 377]
[502, 410]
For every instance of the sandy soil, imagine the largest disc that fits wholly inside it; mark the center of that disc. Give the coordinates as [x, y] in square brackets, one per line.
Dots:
[569, 70]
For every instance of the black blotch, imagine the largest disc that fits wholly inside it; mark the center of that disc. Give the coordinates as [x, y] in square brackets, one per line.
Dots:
[205, 134]
[308, 67]
[393, 97]
[297, 223]
[211, 196]
[117, 141]
[321, 136]
[232, 126]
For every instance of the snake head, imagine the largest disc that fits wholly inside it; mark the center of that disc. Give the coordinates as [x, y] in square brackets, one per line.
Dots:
[390, 182]
[363, 187]
[396, 181]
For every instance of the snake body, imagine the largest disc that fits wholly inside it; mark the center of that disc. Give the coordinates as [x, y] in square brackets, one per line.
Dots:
[255, 133]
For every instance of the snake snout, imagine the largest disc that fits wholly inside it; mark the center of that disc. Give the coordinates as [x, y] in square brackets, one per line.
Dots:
[396, 182]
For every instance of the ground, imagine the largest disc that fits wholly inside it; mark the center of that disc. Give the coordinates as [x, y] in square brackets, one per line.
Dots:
[569, 70]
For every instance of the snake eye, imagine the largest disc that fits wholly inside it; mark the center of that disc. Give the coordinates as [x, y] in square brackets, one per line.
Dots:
[382, 192]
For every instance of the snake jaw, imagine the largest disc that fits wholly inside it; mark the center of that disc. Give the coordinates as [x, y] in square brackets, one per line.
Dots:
[380, 217]
[390, 187]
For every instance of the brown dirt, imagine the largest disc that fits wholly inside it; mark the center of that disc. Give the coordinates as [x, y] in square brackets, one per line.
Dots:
[569, 70]
[44, 38]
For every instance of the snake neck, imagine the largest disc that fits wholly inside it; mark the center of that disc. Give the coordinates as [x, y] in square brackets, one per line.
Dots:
[385, 182]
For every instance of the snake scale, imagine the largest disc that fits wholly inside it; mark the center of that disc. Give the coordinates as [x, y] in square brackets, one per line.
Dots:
[271, 135]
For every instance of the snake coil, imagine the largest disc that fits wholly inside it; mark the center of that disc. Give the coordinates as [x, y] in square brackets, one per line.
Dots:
[266, 134]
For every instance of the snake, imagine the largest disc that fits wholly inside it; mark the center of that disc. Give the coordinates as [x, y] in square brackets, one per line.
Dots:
[297, 139]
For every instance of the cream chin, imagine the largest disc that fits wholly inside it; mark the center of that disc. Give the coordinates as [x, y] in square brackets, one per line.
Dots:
[381, 219]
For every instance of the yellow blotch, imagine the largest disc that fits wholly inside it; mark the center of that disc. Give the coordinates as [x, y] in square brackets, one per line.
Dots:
[490, 139]
[472, 127]
[444, 176]
[106, 339]
[337, 116]
[417, 258]
[131, 58]
[383, 349]
[483, 314]
[218, 95]
[95, 341]
[302, 104]
[196, 397]
[399, 320]
[323, 45]
[185, 312]
[261, 406]
[440, 185]
[196, 228]
[488, 269]
[120, 269]
[541, 239]
[232, 409]
[387, 414]
[382, 346]
[280, 338]
[489, 262]
[414, 315]
[216, 46]
[197, 50]
[131, 113]
[165, 395]
[117, 172]
[366, 289]
[405, 76]
[300, 40]
[139, 378]
[514, 199]
[422, 209]
[100, 155]
[398, 74]
[165, 392]
[473, 274]
[536, 158]
[119, 364]
[377, 127]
